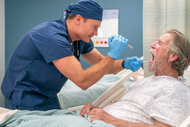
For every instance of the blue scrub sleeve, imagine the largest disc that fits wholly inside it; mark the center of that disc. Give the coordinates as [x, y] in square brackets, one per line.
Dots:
[52, 47]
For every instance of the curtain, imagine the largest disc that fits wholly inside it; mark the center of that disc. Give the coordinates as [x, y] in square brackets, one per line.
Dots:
[158, 17]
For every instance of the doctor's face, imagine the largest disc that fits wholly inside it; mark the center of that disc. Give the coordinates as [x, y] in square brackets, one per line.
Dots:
[160, 55]
[88, 28]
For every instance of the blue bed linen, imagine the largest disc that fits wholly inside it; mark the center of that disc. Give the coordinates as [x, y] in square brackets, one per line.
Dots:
[51, 118]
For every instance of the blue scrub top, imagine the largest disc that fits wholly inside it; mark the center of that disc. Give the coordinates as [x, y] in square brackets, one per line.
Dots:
[32, 81]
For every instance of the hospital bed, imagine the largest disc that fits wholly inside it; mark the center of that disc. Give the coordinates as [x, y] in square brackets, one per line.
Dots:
[71, 95]
[109, 96]
[45, 117]
[115, 92]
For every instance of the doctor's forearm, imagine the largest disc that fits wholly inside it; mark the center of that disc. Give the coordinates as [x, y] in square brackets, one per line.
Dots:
[117, 66]
[72, 69]
[94, 73]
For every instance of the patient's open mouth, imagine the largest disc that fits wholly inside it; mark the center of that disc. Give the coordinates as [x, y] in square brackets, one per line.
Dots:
[152, 53]
[152, 56]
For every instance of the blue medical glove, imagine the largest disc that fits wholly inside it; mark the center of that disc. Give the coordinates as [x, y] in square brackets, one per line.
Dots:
[117, 45]
[132, 63]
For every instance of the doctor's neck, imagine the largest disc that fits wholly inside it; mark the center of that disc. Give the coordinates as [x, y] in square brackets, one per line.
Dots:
[72, 30]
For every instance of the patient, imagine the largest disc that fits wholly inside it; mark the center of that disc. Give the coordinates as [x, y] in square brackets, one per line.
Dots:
[161, 100]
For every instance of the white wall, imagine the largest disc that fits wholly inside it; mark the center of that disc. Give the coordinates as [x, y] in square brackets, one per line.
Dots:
[2, 47]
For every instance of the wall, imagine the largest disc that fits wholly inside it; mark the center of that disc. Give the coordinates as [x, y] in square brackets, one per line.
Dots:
[2, 46]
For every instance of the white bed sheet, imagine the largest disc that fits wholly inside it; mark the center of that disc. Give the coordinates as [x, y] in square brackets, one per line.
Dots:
[186, 76]
[6, 114]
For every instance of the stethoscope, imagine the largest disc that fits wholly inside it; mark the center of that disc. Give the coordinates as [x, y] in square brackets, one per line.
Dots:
[77, 49]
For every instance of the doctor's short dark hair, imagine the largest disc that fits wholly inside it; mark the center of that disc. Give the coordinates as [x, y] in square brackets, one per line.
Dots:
[181, 46]
[73, 16]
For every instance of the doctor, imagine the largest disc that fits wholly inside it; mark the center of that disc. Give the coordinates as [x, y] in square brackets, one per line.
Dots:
[49, 54]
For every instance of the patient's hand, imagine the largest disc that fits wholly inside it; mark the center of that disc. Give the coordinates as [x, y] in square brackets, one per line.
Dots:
[100, 114]
[96, 113]
[86, 109]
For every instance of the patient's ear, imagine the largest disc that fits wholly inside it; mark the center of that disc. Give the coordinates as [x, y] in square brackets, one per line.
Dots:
[172, 57]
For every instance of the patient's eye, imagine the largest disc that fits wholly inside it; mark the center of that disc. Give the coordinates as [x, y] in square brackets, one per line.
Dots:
[161, 43]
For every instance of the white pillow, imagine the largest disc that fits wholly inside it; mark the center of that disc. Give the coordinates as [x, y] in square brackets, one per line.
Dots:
[187, 76]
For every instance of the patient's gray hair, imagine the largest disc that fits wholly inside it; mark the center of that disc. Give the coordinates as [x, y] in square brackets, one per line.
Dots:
[181, 46]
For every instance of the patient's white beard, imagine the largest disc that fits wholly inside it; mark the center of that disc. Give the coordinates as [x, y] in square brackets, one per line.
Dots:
[152, 68]
[157, 68]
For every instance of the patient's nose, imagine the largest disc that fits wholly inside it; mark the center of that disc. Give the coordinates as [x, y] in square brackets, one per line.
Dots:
[153, 45]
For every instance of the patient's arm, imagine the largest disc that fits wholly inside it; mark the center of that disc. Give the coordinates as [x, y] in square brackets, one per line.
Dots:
[100, 114]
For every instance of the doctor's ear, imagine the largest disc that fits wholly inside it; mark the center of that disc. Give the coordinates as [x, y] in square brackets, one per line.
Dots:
[78, 19]
[172, 57]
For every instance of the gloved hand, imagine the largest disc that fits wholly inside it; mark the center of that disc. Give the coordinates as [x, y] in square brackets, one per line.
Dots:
[132, 63]
[117, 45]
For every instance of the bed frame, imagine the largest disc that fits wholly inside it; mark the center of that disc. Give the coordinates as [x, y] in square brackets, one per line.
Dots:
[114, 93]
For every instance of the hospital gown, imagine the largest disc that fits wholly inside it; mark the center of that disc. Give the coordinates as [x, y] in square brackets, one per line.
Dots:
[163, 98]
